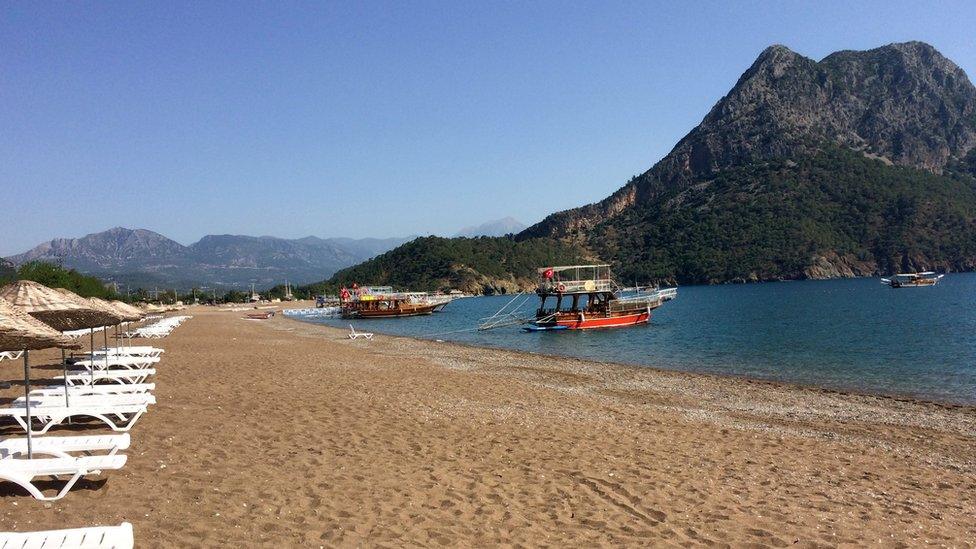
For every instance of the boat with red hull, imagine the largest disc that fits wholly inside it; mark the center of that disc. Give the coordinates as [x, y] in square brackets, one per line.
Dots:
[584, 297]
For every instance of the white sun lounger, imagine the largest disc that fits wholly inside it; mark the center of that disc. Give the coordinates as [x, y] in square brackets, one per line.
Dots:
[107, 389]
[353, 334]
[118, 417]
[116, 376]
[95, 537]
[23, 471]
[64, 446]
[114, 362]
[40, 402]
[134, 350]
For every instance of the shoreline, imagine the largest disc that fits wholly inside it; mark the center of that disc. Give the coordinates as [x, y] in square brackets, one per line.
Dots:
[281, 432]
[851, 391]
[638, 369]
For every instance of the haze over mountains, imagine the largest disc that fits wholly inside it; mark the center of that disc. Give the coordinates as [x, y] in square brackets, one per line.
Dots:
[860, 164]
[143, 258]
[499, 227]
[140, 257]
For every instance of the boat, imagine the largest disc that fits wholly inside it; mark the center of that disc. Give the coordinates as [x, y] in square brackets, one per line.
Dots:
[585, 297]
[383, 302]
[913, 280]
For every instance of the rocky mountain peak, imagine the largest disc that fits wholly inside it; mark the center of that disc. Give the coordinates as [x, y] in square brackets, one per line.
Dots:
[904, 103]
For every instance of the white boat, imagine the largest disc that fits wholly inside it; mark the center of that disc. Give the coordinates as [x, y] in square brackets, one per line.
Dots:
[913, 280]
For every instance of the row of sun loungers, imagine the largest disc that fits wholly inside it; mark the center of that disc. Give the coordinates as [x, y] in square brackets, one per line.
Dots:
[110, 386]
[159, 329]
[118, 401]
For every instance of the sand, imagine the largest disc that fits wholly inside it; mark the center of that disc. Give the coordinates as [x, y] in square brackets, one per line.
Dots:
[279, 433]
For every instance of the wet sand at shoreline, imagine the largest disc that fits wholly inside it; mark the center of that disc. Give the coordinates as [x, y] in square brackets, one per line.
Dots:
[284, 433]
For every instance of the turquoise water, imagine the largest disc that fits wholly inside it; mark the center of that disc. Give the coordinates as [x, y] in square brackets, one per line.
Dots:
[842, 334]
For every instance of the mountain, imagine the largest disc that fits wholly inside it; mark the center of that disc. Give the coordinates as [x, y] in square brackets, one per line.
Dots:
[904, 104]
[143, 258]
[862, 163]
[499, 227]
[368, 247]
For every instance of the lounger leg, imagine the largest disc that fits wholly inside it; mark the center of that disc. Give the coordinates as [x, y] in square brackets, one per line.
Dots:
[68, 485]
[25, 483]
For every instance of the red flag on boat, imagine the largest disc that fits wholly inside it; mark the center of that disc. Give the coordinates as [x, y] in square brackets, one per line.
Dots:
[344, 294]
[549, 273]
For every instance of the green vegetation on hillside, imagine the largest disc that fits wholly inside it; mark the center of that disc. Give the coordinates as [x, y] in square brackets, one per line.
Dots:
[56, 276]
[770, 220]
[7, 271]
[472, 264]
[832, 213]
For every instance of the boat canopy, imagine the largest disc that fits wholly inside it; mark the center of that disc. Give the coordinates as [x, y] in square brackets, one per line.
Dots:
[579, 279]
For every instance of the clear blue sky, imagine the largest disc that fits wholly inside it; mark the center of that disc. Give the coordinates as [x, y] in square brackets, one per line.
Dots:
[376, 119]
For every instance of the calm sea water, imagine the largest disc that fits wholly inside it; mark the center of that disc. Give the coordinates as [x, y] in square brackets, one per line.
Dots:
[842, 334]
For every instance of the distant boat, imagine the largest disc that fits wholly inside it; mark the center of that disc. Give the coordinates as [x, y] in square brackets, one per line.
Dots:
[383, 302]
[586, 297]
[913, 280]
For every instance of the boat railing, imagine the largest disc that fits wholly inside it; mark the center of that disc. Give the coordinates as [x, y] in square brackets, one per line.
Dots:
[627, 303]
[667, 294]
[552, 286]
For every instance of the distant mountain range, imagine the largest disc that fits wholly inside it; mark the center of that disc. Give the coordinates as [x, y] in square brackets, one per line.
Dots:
[862, 163]
[499, 227]
[138, 257]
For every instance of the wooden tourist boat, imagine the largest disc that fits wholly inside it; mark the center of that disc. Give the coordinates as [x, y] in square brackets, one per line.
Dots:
[383, 302]
[913, 280]
[584, 297]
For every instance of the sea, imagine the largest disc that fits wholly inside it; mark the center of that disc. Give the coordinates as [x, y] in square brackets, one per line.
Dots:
[845, 334]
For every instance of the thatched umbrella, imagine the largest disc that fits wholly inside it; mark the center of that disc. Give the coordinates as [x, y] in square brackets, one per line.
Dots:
[121, 316]
[129, 314]
[21, 332]
[134, 312]
[102, 315]
[59, 309]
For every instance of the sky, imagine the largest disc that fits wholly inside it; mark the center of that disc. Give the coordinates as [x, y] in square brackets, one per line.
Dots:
[376, 119]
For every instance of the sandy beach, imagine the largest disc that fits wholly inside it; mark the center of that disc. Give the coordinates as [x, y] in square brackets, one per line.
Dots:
[280, 433]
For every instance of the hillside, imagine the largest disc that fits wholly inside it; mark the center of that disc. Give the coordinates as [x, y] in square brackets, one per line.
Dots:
[137, 257]
[905, 104]
[7, 271]
[485, 264]
[859, 164]
[832, 213]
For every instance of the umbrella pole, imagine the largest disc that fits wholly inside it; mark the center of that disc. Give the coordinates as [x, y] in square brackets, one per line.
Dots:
[105, 339]
[91, 361]
[30, 443]
[64, 370]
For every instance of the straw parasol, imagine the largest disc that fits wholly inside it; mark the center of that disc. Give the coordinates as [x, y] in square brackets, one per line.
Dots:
[109, 309]
[123, 307]
[21, 332]
[62, 310]
[59, 309]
